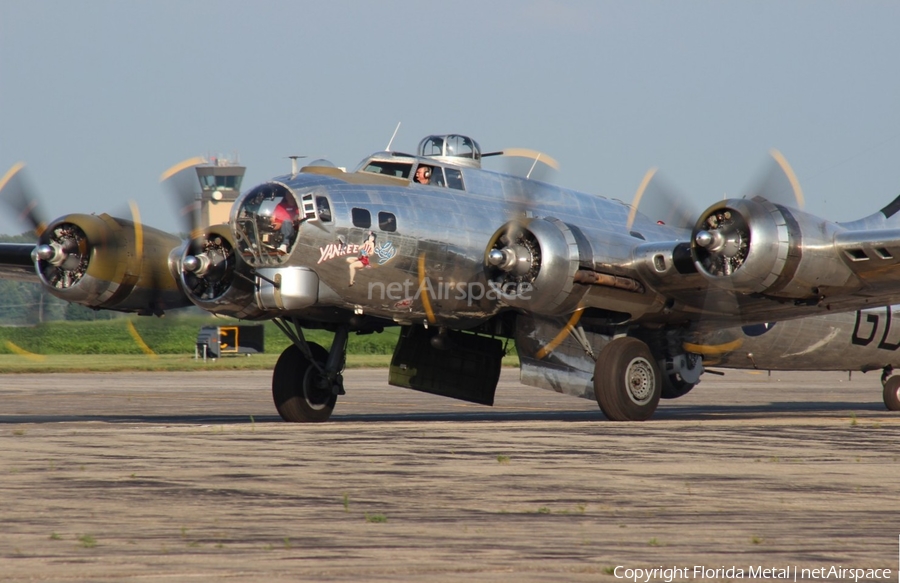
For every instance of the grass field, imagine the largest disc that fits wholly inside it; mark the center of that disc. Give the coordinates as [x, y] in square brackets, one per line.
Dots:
[168, 335]
[161, 344]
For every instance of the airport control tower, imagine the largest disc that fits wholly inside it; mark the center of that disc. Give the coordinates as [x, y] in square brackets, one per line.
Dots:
[220, 185]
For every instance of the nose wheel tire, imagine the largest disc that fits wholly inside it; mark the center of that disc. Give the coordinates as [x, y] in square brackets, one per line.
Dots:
[300, 392]
[627, 380]
[892, 393]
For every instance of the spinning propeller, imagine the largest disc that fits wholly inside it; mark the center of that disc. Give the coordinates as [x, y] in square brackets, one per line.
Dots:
[660, 201]
[97, 261]
[181, 182]
[721, 235]
[533, 160]
[17, 193]
[205, 261]
[514, 256]
[537, 252]
[209, 268]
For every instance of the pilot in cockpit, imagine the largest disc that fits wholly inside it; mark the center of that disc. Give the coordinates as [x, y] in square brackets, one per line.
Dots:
[423, 174]
[279, 222]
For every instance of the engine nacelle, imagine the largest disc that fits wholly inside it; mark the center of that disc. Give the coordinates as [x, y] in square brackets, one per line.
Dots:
[755, 246]
[103, 262]
[211, 273]
[532, 264]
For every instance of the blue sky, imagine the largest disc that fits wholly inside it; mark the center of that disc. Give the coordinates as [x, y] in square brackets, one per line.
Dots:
[99, 97]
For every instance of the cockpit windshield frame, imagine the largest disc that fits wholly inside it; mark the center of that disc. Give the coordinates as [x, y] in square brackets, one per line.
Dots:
[393, 168]
[266, 222]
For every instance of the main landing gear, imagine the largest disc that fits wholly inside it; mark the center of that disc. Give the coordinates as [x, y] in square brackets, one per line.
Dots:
[307, 379]
[891, 392]
[627, 380]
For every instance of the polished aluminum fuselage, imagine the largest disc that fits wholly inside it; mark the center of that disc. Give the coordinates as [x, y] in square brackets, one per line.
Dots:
[437, 241]
[438, 245]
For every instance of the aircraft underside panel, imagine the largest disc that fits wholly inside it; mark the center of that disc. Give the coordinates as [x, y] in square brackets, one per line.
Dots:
[555, 377]
[465, 367]
[558, 363]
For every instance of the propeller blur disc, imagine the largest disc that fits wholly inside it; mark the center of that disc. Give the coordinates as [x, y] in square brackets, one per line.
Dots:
[17, 193]
[183, 186]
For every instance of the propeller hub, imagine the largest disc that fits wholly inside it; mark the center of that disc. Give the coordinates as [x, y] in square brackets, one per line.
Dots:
[496, 257]
[199, 265]
[704, 239]
[721, 241]
[207, 268]
[522, 260]
[44, 252]
[54, 253]
[190, 263]
[515, 259]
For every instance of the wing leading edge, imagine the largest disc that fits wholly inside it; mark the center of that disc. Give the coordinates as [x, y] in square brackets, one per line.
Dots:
[16, 262]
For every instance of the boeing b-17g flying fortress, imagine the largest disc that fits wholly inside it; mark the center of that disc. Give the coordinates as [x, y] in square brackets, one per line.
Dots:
[623, 303]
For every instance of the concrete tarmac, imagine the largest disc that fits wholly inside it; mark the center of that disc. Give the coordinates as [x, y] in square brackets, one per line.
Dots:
[191, 476]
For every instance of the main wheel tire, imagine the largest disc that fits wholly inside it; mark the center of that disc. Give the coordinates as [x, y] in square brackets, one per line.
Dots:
[627, 381]
[892, 393]
[673, 386]
[295, 387]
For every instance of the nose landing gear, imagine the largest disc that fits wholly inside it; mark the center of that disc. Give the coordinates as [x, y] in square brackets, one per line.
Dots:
[307, 378]
[298, 389]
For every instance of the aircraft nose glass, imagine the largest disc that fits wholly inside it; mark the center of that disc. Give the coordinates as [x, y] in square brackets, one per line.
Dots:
[266, 224]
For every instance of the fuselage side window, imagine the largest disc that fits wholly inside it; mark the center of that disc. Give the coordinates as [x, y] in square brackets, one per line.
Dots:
[454, 179]
[398, 169]
[361, 218]
[387, 222]
[323, 209]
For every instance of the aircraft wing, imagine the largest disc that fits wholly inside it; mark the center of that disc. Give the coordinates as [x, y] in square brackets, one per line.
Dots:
[749, 260]
[871, 255]
[16, 263]
[101, 262]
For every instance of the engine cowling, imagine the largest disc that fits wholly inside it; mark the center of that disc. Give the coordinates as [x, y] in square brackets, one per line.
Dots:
[210, 271]
[755, 246]
[531, 265]
[108, 263]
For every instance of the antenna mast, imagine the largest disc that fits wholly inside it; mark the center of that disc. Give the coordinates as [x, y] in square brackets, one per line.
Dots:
[388, 149]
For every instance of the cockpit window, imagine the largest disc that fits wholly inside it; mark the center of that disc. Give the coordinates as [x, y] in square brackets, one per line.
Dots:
[437, 176]
[454, 179]
[398, 169]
